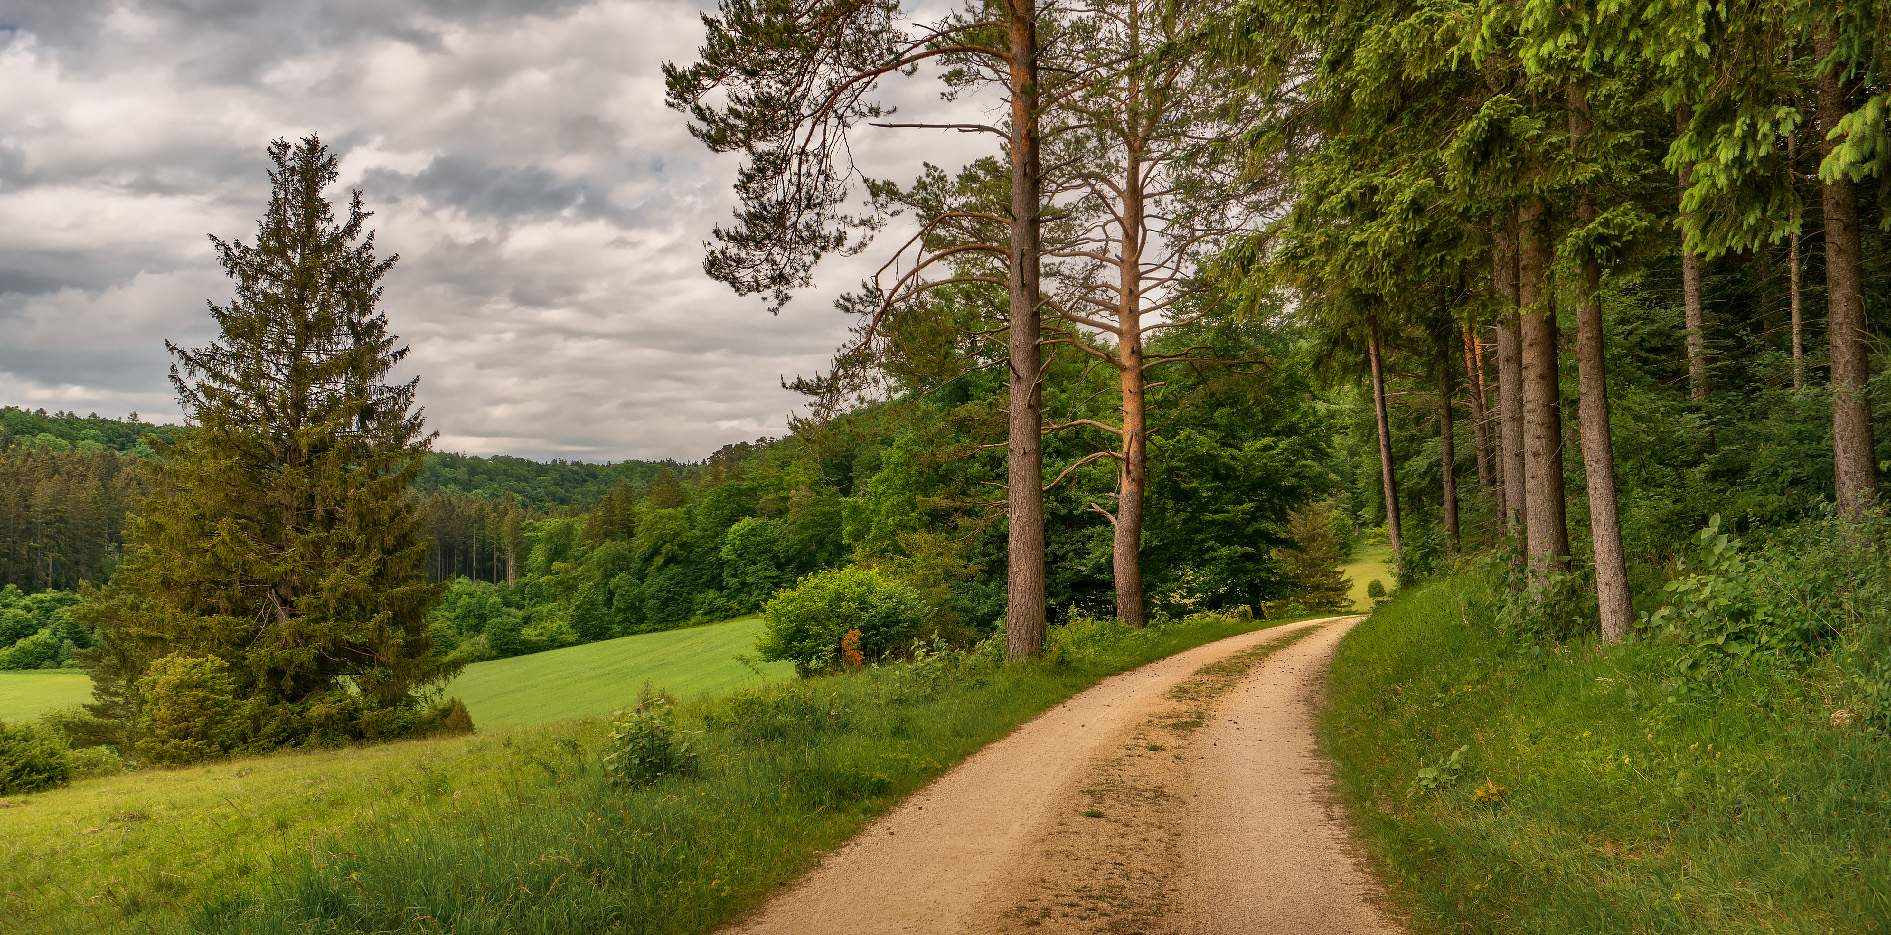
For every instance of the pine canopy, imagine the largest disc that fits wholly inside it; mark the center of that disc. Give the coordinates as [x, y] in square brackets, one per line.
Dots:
[279, 535]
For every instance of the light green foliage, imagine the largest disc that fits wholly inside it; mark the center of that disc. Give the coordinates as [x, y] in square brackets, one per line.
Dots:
[37, 630]
[189, 710]
[805, 623]
[1594, 790]
[32, 759]
[643, 745]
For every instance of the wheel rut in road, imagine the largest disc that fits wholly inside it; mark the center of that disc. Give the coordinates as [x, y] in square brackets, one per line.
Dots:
[1187, 797]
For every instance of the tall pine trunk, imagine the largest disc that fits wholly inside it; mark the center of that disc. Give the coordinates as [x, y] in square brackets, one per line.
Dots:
[1852, 454]
[1024, 455]
[1386, 473]
[1480, 416]
[1509, 379]
[1547, 538]
[1447, 440]
[1126, 545]
[1598, 446]
[1795, 267]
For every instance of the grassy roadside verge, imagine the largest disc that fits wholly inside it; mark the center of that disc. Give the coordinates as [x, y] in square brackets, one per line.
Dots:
[517, 830]
[1593, 793]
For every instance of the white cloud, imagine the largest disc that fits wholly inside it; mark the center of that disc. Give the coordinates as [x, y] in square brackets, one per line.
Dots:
[548, 209]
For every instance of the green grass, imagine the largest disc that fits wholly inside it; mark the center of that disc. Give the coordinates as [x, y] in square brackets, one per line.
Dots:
[517, 830]
[1627, 803]
[598, 678]
[1368, 565]
[27, 695]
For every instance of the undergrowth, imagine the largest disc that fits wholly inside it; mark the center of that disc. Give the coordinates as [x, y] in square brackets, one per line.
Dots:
[775, 776]
[1711, 780]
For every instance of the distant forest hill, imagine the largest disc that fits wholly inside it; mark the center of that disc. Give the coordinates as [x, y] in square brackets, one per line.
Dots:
[67, 482]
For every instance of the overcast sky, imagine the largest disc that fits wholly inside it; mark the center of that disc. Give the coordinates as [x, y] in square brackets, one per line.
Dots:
[548, 209]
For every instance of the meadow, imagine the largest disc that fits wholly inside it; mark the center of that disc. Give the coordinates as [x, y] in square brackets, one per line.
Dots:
[1508, 787]
[597, 678]
[29, 694]
[519, 829]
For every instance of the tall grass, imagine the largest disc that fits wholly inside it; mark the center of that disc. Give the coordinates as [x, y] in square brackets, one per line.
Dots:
[1593, 790]
[783, 772]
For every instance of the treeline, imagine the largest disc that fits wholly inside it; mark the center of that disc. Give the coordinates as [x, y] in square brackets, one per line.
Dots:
[902, 486]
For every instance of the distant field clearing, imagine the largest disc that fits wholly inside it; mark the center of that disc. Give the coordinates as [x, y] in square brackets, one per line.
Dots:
[574, 682]
[1369, 564]
[27, 695]
[598, 678]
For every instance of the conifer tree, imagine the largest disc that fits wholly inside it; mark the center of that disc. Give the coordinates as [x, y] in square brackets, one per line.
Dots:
[1314, 566]
[279, 536]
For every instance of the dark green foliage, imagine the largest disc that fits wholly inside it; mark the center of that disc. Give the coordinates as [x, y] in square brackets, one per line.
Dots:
[62, 511]
[643, 745]
[279, 536]
[1312, 565]
[66, 431]
[807, 621]
[32, 759]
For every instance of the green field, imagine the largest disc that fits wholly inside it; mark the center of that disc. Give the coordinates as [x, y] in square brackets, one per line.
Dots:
[1367, 565]
[26, 695]
[598, 678]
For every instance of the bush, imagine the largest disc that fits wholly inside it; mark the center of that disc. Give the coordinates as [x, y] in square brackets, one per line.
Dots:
[806, 623]
[643, 743]
[31, 759]
[458, 720]
[88, 762]
[189, 710]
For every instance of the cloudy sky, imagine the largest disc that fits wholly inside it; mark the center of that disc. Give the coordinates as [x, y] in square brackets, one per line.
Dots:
[548, 210]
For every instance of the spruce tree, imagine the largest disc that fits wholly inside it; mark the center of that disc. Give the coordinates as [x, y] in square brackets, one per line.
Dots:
[279, 536]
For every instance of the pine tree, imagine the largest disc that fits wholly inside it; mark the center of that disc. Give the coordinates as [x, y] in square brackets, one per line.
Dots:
[1313, 566]
[279, 536]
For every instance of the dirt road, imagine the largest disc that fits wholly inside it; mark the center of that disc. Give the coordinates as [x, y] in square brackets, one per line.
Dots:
[1186, 797]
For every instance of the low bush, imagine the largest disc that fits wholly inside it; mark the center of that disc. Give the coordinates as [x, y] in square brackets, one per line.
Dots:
[807, 623]
[32, 759]
[189, 710]
[643, 745]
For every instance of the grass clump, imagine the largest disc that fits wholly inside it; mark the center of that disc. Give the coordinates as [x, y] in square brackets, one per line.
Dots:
[1509, 785]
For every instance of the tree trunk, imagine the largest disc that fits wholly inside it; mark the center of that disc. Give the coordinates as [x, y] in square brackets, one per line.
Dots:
[1385, 448]
[1794, 268]
[1547, 539]
[1126, 546]
[1694, 313]
[1853, 460]
[1509, 380]
[1024, 455]
[1447, 441]
[1480, 417]
[1598, 446]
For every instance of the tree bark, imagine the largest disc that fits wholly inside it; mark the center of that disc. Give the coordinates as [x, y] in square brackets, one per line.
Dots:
[1795, 291]
[1547, 539]
[1447, 441]
[1509, 380]
[1480, 417]
[1024, 454]
[1126, 545]
[1386, 473]
[1693, 310]
[1598, 446]
[1853, 459]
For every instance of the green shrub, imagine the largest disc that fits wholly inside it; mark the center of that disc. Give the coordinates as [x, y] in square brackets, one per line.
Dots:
[805, 623]
[1375, 589]
[88, 762]
[643, 744]
[189, 710]
[31, 759]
